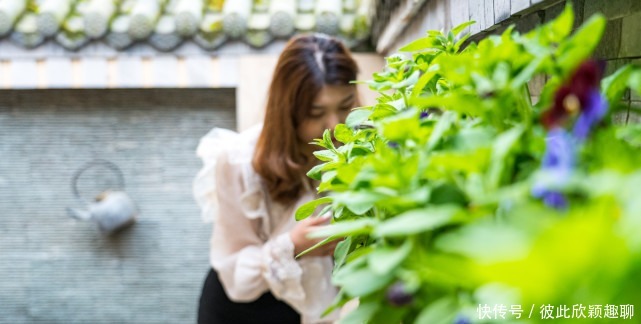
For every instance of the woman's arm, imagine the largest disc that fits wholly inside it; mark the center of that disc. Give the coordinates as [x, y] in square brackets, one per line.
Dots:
[237, 250]
[247, 263]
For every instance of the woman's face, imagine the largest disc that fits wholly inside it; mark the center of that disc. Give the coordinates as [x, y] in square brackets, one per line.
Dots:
[330, 108]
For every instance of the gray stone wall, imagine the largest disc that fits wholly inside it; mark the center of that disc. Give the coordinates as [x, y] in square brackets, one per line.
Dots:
[55, 269]
[620, 45]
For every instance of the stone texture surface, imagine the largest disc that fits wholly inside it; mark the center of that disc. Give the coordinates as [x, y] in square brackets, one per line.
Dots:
[634, 116]
[578, 8]
[609, 47]
[536, 86]
[620, 118]
[611, 8]
[636, 97]
[630, 35]
[56, 269]
[526, 23]
[553, 11]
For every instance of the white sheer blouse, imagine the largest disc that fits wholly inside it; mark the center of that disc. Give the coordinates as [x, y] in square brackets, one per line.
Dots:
[250, 246]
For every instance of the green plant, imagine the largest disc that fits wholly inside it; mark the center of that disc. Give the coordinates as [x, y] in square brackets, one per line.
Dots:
[455, 190]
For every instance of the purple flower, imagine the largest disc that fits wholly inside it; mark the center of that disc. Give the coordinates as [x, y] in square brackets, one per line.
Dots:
[559, 154]
[462, 319]
[555, 200]
[558, 163]
[392, 144]
[398, 296]
[578, 96]
[429, 112]
[594, 111]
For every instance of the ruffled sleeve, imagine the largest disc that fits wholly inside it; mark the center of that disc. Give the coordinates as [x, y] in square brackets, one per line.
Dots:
[210, 148]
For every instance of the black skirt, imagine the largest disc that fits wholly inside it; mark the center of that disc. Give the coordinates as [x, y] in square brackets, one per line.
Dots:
[216, 308]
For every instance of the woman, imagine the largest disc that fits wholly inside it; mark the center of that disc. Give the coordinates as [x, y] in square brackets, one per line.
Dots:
[252, 184]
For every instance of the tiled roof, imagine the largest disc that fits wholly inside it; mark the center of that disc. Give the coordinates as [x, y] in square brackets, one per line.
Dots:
[166, 24]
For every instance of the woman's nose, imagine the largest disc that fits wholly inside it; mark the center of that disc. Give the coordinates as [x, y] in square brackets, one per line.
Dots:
[333, 119]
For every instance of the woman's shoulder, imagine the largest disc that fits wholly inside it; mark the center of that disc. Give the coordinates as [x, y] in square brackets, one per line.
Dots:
[228, 146]
[227, 155]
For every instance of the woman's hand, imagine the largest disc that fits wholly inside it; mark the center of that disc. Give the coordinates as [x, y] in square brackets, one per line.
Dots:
[301, 243]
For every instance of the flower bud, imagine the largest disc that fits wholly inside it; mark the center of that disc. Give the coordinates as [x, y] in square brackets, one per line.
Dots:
[398, 296]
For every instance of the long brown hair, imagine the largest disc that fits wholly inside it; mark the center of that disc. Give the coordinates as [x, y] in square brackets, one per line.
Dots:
[307, 63]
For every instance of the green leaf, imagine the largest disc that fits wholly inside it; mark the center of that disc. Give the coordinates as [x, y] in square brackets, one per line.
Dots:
[526, 74]
[361, 282]
[358, 202]
[308, 208]
[463, 103]
[421, 44]
[411, 80]
[384, 259]
[450, 37]
[483, 84]
[340, 300]
[634, 82]
[487, 242]
[501, 74]
[417, 221]
[348, 173]
[389, 314]
[315, 172]
[500, 149]
[326, 155]
[344, 228]
[362, 314]
[456, 30]
[615, 84]
[581, 45]
[469, 162]
[331, 166]
[383, 110]
[460, 42]
[343, 133]
[317, 245]
[357, 117]
[474, 138]
[328, 176]
[422, 82]
[448, 194]
[559, 28]
[357, 256]
[327, 139]
[402, 126]
[443, 125]
[398, 104]
[325, 210]
[340, 254]
[339, 212]
[442, 311]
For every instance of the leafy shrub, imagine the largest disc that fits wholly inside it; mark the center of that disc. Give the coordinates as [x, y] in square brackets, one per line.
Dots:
[455, 190]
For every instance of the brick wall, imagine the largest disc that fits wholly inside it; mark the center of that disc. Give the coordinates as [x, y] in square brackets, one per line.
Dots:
[56, 269]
